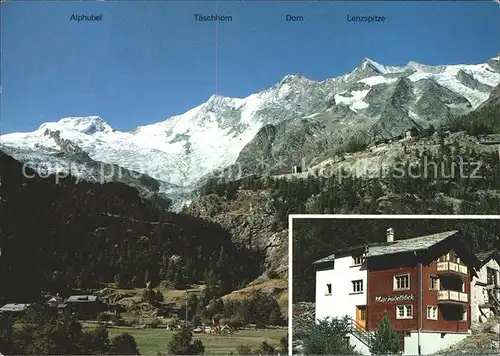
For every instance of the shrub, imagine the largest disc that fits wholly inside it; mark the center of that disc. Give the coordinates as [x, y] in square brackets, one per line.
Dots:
[196, 321]
[243, 350]
[260, 325]
[154, 323]
[328, 336]
[102, 317]
[124, 344]
[118, 320]
[182, 344]
[236, 322]
[265, 349]
[173, 322]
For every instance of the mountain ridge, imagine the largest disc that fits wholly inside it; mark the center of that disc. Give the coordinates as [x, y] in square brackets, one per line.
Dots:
[371, 102]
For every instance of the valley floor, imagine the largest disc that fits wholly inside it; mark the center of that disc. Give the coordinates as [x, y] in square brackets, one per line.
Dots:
[152, 341]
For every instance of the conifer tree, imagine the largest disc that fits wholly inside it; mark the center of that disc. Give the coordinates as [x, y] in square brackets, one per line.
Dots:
[386, 338]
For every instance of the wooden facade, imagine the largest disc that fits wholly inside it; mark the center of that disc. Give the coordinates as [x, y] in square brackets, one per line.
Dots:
[437, 294]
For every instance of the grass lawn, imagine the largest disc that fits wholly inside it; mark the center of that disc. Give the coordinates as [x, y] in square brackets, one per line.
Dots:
[152, 341]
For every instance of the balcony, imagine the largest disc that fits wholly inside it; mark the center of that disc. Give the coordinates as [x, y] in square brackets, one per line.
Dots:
[451, 268]
[452, 297]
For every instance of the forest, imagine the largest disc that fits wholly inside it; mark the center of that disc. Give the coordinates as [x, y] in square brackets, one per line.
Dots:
[421, 192]
[56, 237]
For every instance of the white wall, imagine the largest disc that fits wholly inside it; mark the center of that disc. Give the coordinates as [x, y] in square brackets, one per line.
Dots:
[340, 303]
[479, 294]
[358, 345]
[430, 342]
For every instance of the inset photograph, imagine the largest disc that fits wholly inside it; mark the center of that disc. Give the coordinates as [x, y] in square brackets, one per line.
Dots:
[381, 285]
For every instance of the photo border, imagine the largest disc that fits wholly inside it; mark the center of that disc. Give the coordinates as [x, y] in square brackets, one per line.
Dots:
[353, 216]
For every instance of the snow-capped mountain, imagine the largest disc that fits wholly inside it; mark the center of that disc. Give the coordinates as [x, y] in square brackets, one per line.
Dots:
[374, 100]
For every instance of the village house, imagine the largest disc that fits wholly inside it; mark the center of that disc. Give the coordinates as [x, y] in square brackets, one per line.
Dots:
[422, 283]
[485, 299]
[14, 308]
[84, 306]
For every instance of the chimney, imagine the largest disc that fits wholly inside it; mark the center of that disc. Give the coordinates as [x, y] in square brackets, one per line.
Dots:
[390, 235]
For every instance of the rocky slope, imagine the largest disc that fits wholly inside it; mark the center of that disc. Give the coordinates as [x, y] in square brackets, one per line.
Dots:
[250, 218]
[383, 105]
[484, 340]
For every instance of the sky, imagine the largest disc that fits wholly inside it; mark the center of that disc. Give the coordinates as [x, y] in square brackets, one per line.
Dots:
[147, 61]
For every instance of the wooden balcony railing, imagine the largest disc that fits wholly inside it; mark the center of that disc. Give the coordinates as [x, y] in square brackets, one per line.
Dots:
[451, 296]
[446, 267]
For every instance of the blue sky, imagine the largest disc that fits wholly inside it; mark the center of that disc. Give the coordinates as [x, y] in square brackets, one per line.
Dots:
[147, 61]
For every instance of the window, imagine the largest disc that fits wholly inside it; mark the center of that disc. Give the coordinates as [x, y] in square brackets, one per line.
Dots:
[432, 312]
[402, 282]
[433, 283]
[357, 260]
[363, 314]
[404, 311]
[357, 286]
[491, 276]
[328, 290]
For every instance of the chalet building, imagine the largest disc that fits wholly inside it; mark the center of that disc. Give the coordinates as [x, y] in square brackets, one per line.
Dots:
[422, 283]
[84, 305]
[14, 308]
[485, 298]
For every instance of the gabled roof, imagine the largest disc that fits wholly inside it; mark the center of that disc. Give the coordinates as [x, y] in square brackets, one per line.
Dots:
[14, 307]
[397, 246]
[82, 299]
[326, 259]
[485, 256]
[346, 250]
[409, 245]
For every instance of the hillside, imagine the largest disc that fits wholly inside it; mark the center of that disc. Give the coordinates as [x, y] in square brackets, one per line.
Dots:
[77, 234]
[451, 169]
[347, 133]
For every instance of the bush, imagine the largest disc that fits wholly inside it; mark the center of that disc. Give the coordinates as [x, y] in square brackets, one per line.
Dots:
[236, 322]
[181, 344]
[124, 344]
[118, 320]
[243, 350]
[102, 317]
[154, 323]
[173, 322]
[265, 349]
[260, 325]
[328, 337]
[196, 321]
